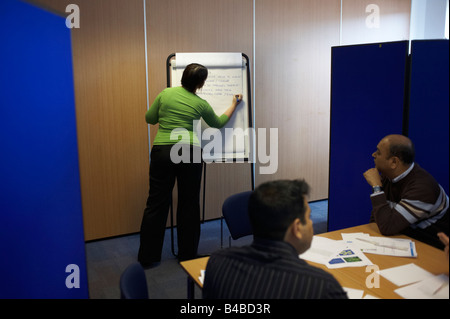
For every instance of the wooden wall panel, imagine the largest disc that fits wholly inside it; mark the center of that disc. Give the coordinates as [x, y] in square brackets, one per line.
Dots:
[292, 90]
[110, 91]
[293, 54]
[200, 26]
[359, 26]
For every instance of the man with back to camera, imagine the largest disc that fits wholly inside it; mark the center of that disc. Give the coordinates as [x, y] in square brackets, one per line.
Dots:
[406, 199]
[270, 268]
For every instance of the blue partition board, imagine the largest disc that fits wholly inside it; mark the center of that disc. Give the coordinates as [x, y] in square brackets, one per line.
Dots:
[429, 107]
[367, 102]
[41, 226]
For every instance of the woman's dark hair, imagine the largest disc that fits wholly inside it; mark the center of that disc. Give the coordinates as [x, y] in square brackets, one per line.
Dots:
[274, 205]
[194, 76]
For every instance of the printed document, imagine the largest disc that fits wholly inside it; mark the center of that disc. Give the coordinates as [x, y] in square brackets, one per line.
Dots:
[335, 253]
[382, 245]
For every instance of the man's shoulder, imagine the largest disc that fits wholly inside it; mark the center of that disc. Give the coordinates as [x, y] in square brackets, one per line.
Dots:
[421, 180]
[247, 255]
[245, 266]
[231, 252]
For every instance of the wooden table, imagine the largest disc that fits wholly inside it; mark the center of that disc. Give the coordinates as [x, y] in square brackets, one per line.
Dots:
[428, 258]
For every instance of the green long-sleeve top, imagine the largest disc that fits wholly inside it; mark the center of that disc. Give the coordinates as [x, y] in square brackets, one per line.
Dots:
[176, 108]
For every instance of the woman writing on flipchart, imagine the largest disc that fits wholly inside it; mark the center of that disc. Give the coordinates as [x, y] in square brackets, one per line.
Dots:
[175, 109]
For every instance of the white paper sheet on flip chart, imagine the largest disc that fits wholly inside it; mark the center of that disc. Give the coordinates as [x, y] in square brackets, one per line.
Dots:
[210, 59]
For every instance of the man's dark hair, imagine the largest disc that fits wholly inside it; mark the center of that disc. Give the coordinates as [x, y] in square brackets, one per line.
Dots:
[194, 75]
[274, 205]
[405, 152]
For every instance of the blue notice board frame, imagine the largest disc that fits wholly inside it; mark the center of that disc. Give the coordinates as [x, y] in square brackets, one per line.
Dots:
[368, 86]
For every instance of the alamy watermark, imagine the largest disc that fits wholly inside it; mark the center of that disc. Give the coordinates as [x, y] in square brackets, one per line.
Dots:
[373, 279]
[73, 19]
[212, 141]
[73, 279]
[373, 19]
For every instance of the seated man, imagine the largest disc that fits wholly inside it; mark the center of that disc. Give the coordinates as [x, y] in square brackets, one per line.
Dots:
[270, 268]
[406, 198]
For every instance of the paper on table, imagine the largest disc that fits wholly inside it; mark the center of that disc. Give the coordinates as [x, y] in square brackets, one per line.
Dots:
[322, 249]
[367, 296]
[382, 245]
[353, 293]
[355, 238]
[357, 294]
[202, 276]
[350, 256]
[435, 287]
[405, 274]
[335, 254]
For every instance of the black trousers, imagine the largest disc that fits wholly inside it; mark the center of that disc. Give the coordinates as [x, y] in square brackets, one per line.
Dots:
[163, 173]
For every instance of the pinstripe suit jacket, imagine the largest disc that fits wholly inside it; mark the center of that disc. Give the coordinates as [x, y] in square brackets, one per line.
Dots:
[266, 270]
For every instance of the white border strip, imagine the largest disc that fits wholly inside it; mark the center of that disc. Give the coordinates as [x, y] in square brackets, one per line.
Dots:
[146, 70]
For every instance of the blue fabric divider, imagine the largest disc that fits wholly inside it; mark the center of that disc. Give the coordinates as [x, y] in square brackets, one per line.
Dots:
[41, 227]
[428, 125]
[367, 101]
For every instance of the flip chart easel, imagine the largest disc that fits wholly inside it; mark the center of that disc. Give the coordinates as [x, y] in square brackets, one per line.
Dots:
[228, 74]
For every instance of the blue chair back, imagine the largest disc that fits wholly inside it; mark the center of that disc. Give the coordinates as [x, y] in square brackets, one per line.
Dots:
[235, 212]
[133, 283]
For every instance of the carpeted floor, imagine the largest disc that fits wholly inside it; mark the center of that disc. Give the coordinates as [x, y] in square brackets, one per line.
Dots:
[108, 258]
